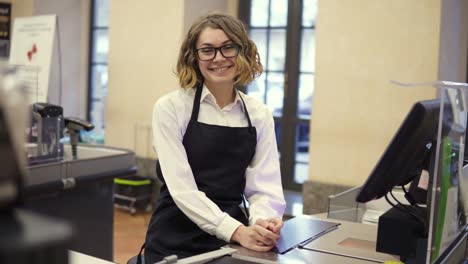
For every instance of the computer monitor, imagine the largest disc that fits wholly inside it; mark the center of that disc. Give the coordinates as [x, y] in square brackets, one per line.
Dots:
[414, 153]
[408, 152]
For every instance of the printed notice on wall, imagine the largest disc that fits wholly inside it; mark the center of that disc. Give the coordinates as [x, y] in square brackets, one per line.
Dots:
[31, 51]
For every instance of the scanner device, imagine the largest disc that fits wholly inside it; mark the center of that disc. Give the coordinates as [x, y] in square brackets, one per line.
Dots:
[47, 110]
[74, 125]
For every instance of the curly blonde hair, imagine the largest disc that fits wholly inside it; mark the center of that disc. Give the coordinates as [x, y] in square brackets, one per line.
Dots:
[248, 62]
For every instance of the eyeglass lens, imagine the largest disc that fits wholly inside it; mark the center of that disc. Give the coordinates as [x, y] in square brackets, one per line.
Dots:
[209, 53]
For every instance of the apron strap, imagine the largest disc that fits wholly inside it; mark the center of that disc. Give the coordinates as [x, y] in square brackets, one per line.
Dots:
[251, 130]
[196, 103]
[246, 112]
[139, 256]
[196, 106]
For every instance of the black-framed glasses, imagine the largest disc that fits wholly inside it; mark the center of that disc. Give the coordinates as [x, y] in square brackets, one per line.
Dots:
[209, 53]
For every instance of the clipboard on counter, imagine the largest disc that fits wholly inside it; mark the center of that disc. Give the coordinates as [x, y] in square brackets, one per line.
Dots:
[300, 231]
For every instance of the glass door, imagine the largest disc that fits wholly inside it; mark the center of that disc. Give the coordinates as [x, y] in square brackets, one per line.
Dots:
[268, 22]
[305, 87]
[284, 32]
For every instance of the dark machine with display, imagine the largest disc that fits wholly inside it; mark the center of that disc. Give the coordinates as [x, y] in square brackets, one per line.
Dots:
[407, 155]
[412, 159]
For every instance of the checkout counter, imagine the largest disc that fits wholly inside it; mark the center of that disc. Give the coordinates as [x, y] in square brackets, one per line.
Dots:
[349, 243]
[80, 191]
[353, 241]
[60, 197]
[324, 250]
[70, 181]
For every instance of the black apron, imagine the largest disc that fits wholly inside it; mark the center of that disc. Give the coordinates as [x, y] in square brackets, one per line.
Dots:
[218, 157]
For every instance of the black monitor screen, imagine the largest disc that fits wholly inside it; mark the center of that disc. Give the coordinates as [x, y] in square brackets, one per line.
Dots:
[407, 153]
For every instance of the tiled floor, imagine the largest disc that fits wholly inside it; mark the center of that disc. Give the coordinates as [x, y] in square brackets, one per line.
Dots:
[129, 231]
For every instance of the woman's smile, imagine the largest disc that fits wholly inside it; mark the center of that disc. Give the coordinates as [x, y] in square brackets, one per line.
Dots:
[220, 69]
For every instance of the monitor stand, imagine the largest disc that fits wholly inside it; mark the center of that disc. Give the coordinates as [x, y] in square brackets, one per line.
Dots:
[401, 233]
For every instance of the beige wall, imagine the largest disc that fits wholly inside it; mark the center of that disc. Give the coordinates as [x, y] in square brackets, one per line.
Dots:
[143, 42]
[20, 8]
[453, 40]
[361, 46]
[84, 58]
[463, 52]
[143, 48]
[193, 9]
[71, 89]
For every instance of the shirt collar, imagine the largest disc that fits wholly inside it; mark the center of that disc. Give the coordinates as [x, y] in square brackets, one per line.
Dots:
[209, 97]
[206, 93]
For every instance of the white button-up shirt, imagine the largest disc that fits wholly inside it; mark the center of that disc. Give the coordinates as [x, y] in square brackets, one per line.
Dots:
[171, 115]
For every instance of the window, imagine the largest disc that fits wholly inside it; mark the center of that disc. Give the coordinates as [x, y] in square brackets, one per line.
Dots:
[98, 68]
[284, 32]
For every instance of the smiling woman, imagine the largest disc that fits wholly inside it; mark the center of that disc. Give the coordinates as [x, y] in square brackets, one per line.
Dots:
[219, 69]
[215, 146]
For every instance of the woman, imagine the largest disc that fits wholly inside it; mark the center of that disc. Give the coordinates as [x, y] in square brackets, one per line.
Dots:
[215, 145]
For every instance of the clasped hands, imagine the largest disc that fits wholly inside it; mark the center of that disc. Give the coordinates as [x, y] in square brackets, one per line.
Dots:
[262, 236]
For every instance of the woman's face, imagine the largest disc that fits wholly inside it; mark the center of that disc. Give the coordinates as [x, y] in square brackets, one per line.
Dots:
[218, 70]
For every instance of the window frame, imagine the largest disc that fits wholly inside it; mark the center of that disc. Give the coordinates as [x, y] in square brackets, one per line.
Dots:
[91, 62]
[289, 119]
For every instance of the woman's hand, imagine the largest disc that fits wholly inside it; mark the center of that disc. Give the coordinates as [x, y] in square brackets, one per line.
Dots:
[255, 237]
[272, 224]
